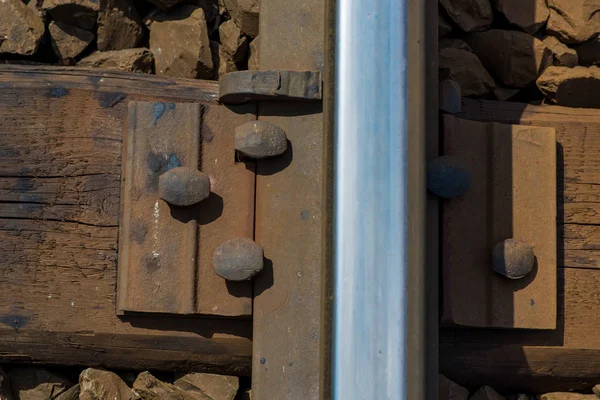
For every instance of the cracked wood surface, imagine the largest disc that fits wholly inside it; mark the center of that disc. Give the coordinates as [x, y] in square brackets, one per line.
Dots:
[60, 145]
[565, 358]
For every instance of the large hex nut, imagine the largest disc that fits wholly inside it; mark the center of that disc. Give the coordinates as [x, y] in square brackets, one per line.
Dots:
[183, 186]
[260, 139]
[238, 259]
[513, 258]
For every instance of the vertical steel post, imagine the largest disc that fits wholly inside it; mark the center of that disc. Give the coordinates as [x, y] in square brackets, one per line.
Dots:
[377, 229]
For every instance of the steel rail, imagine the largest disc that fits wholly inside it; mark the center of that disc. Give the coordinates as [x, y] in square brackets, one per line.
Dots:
[370, 226]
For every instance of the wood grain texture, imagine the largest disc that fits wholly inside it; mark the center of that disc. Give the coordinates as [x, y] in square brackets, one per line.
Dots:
[59, 205]
[512, 195]
[565, 358]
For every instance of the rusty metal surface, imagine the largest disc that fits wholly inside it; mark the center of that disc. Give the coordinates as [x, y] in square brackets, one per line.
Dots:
[287, 302]
[165, 252]
[242, 86]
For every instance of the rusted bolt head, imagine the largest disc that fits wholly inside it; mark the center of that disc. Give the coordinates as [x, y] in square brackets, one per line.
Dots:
[238, 259]
[513, 258]
[447, 177]
[260, 139]
[183, 186]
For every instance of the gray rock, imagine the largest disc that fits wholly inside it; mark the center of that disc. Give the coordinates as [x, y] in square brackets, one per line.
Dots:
[486, 393]
[183, 186]
[81, 13]
[444, 26]
[234, 42]
[563, 55]
[589, 52]
[238, 259]
[260, 139]
[515, 58]
[179, 41]
[71, 394]
[447, 177]
[571, 87]
[31, 383]
[119, 25]
[68, 41]
[469, 15]
[513, 258]
[574, 21]
[253, 60]
[530, 15]
[505, 93]
[466, 69]
[21, 28]
[97, 384]
[245, 14]
[448, 390]
[129, 60]
[221, 387]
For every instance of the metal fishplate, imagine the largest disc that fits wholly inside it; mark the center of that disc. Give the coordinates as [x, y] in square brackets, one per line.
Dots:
[171, 226]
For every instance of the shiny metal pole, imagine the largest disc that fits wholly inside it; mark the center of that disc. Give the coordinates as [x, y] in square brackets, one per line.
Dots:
[370, 222]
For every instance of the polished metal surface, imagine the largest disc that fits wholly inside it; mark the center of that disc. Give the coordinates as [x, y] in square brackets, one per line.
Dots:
[370, 223]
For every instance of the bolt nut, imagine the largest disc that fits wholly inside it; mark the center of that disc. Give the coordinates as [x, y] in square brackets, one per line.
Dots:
[260, 139]
[238, 259]
[447, 177]
[513, 258]
[183, 186]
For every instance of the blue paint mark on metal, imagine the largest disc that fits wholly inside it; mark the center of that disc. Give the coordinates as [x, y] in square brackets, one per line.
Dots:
[370, 207]
[173, 162]
[58, 92]
[171, 106]
[159, 111]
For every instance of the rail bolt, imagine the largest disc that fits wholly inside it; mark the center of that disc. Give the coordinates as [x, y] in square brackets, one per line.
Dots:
[447, 177]
[513, 258]
[183, 186]
[260, 139]
[238, 259]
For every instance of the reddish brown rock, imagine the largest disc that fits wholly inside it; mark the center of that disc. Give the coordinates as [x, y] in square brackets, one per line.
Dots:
[455, 43]
[530, 15]
[119, 25]
[71, 394]
[21, 28]
[222, 60]
[588, 53]
[486, 393]
[448, 390]
[96, 384]
[81, 13]
[571, 87]
[515, 58]
[147, 387]
[234, 42]
[68, 41]
[464, 68]
[444, 26]
[32, 383]
[164, 4]
[469, 15]
[567, 396]
[220, 387]
[5, 393]
[245, 14]
[253, 59]
[129, 60]
[179, 41]
[563, 55]
[574, 21]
